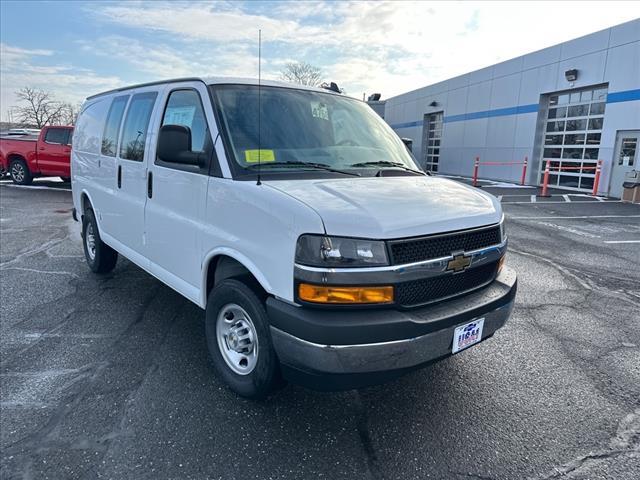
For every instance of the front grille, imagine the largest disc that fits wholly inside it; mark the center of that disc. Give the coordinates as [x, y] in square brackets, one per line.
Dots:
[437, 246]
[419, 292]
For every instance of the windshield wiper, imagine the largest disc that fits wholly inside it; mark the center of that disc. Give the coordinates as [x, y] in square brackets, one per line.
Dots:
[291, 163]
[386, 163]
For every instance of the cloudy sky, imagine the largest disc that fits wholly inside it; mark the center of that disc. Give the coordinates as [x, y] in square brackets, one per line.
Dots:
[76, 48]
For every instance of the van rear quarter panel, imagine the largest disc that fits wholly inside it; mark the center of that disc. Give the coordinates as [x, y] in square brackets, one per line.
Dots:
[90, 171]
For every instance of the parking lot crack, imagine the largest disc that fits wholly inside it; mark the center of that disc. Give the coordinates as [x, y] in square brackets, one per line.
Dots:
[626, 441]
[120, 428]
[48, 436]
[473, 475]
[362, 426]
[563, 270]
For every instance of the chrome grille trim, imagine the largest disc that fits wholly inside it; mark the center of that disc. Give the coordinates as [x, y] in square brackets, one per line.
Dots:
[393, 274]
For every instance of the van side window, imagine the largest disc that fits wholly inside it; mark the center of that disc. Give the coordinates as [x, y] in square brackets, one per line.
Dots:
[185, 108]
[112, 125]
[134, 133]
[57, 135]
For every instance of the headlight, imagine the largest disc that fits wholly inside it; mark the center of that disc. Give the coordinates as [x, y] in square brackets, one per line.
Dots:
[323, 251]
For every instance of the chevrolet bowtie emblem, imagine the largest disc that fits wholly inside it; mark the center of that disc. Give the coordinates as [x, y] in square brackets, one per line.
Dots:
[458, 263]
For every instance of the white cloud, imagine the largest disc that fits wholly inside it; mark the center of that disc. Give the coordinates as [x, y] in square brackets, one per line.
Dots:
[214, 22]
[383, 46]
[11, 55]
[386, 47]
[66, 82]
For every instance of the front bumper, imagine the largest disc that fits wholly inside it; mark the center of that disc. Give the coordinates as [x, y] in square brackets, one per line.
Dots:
[313, 343]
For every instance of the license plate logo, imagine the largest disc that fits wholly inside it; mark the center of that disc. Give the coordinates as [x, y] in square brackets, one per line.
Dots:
[466, 335]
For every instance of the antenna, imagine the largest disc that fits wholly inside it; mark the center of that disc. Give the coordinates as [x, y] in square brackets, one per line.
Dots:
[259, 104]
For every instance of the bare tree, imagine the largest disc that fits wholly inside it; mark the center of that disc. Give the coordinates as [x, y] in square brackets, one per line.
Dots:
[68, 114]
[41, 108]
[302, 73]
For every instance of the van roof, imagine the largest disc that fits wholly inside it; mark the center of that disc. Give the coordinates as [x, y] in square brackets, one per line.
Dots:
[217, 81]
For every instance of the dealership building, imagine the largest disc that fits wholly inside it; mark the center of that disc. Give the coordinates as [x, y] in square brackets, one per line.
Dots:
[573, 104]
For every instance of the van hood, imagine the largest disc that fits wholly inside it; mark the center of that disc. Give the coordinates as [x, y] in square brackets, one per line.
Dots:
[393, 207]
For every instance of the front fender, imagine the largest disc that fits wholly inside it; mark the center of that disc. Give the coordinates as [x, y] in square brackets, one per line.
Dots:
[240, 258]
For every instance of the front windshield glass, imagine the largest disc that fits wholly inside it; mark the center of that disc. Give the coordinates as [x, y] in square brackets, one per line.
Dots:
[302, 130]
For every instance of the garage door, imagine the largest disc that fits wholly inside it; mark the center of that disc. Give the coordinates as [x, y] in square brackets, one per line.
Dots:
[572, 137]
[431, 136]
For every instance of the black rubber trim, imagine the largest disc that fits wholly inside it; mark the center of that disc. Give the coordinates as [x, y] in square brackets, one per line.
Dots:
[349, 327]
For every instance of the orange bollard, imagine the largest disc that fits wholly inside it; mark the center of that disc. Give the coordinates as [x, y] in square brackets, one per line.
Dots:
[596, 180]
[476, 164]
[524, 171]
[545, 181]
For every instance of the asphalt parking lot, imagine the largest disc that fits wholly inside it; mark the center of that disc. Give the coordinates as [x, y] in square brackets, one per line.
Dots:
[108, 377]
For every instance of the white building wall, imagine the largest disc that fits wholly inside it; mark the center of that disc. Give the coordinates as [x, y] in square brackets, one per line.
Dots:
[498, 112]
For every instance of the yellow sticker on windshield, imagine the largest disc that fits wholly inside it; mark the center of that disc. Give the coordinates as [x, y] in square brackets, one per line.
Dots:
[255, 156]
[319, 110]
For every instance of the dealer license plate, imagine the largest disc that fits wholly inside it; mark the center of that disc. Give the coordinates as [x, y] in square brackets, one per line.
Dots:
[466, 335]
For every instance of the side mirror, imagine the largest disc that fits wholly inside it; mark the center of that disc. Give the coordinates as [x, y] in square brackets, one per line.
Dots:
[174, 145]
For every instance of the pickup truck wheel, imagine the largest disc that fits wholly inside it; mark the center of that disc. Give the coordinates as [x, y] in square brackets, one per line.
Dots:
[19, 172]
[100, 257]
[239, 341]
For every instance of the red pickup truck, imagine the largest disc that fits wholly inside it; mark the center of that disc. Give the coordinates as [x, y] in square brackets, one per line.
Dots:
[27, 157]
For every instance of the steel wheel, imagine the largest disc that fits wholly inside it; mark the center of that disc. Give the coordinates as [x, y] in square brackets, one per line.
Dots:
[237, 339]
[17, 172]
[90, 240]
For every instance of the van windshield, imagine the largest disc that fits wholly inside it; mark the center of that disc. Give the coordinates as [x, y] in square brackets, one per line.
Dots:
[306, 130]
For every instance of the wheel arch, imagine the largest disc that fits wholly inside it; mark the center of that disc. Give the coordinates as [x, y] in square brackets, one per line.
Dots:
[224, 263]
[15, 156]
[86, 201]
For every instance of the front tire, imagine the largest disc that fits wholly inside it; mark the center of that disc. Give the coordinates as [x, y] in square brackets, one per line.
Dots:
[239, 341]
[100, 257]
[19, 172]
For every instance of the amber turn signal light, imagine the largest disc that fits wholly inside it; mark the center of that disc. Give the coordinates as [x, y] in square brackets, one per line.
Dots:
[501, 262]
[344, 295]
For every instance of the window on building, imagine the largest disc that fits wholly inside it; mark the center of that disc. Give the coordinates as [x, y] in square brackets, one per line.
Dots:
[572, 140]
[431, 137]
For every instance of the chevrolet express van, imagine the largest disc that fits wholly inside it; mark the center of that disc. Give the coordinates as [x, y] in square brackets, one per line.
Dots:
[298, 220]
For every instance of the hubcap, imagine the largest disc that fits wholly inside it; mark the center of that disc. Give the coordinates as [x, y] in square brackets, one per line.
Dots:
[17, 172]
[237, 339]
[90, 241]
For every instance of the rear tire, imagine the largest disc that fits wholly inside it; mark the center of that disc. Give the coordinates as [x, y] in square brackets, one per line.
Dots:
[239, 340]
[19, 172]
[100, 257]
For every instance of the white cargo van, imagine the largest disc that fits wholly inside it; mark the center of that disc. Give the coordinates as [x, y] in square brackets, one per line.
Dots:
[298, 220]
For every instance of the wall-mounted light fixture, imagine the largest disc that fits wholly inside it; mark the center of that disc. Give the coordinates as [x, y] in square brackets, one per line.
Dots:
[433, 104]
[571, 75]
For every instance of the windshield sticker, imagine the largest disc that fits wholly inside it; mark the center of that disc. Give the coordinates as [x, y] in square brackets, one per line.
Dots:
[179, 116]
[319, 110]
[253, 156]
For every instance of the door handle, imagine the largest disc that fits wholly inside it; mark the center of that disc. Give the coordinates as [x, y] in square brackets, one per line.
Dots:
[119, 176]
[150, 185]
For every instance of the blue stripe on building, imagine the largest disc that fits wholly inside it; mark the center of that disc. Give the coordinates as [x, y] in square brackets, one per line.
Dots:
[625, 96]
[615, 97]
[408, 124]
